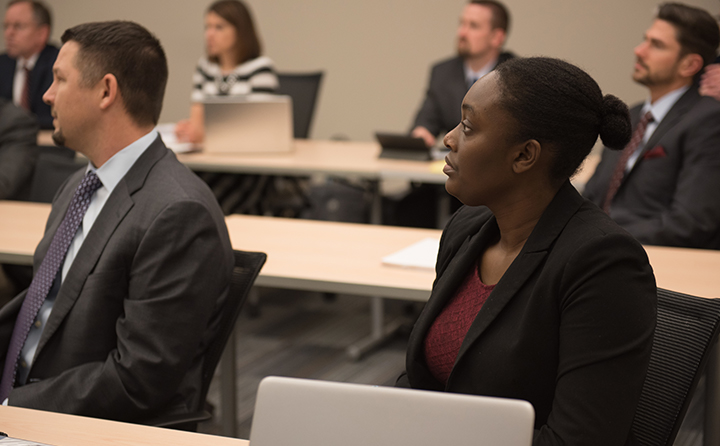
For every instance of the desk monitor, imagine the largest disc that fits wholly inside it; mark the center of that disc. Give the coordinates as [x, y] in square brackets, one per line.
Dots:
[257, 123]
[301, 412]
[402, 146]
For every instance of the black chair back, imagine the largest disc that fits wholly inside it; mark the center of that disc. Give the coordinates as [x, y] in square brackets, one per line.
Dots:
[687, 328]
[246, 269]
[53, 166]
[303, 88]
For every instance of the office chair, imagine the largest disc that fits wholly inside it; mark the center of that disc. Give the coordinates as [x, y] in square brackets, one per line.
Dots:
[687, 328]
[247, 267]
[53, 166]
[303, 88]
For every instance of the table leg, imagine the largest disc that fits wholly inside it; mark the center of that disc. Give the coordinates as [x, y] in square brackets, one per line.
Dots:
[228, 395]
[711, 431]
[379, 331]
[376, 206]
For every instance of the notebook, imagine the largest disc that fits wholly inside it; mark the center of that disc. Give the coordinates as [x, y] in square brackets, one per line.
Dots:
[257, 123]
[301, 412]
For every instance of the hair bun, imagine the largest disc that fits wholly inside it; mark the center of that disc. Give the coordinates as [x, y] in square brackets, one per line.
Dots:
[615, 128]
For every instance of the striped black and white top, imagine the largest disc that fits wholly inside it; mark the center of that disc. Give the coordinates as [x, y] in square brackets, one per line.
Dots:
[254, 76]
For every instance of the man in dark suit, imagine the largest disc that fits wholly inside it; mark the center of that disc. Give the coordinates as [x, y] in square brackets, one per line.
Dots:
[136, 261]
[483, 29]
[18, 133]
[663, 188]
[26, 68]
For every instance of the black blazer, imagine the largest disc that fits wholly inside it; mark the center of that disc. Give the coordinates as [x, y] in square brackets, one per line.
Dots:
[670, 197]
[440, 111]
[568, 328]
[41, 77]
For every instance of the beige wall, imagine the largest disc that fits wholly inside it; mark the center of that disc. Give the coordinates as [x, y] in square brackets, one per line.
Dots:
[376, 53]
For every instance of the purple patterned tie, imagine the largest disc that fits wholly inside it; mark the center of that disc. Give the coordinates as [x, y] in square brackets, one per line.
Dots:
[43, 280]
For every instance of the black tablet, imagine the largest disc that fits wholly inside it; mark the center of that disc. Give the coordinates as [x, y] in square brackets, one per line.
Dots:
[403, 146]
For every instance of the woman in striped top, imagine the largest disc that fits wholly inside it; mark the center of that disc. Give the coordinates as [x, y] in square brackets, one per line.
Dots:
[233, 66]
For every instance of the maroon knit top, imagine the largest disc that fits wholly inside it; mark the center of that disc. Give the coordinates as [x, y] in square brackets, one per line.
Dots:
[446, 334]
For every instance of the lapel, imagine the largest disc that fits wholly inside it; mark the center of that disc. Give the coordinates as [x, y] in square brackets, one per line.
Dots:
[676, 113]
[115, 209]
[459, 83]
[565, 204]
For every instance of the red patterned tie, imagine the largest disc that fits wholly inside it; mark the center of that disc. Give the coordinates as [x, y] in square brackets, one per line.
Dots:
[25, 95]
[43, 280]
[621, 165]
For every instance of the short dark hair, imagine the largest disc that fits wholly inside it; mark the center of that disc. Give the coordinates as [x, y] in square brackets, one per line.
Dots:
[247, 42]
[695, 29]
[131, 54]
[562, 107]
[41, 13]
[500, 14]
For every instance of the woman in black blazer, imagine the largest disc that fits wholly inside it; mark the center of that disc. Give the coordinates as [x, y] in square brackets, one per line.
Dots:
[539, 295]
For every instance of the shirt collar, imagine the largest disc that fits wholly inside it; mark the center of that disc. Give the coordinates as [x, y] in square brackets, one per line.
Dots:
[116, 167]
[662, 106]
[30, 62]
[470, 74]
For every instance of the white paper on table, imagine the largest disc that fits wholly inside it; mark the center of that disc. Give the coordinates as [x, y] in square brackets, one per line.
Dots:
[418, 255]
[167, 133]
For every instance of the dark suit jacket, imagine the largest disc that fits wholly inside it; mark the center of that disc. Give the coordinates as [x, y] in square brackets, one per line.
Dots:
[440, 111]
[568, 328]
[18, 134]
[670, 197]
[41, 77]
[140, 302]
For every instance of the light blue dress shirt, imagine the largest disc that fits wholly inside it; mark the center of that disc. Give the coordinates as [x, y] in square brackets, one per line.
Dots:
[659, 109]
[110, 175]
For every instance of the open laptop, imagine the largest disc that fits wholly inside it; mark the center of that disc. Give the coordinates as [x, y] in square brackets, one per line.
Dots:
[301, 412]
[257, 123]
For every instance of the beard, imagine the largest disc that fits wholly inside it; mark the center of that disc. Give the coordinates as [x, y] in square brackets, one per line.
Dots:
[58, 137]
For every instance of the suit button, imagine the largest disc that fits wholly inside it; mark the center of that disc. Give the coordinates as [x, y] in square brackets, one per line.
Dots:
[38, 324]
[23, 364]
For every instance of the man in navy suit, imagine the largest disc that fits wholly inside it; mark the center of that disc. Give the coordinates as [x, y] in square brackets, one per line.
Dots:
[664, 189]
[26, 67]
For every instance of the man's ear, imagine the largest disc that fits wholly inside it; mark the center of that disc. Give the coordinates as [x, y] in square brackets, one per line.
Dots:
[498, 38]
[108, 90]
[690, 65]
[526, 156]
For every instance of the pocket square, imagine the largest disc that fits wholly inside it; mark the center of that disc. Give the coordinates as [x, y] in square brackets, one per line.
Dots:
[655, 152]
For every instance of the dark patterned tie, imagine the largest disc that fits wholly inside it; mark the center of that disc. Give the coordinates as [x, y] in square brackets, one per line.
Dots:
[43, 280]
[25, 94]
[621, 165]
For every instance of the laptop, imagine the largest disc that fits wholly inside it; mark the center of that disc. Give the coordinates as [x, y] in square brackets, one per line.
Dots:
[257, 123]
[402, 146]
[302, 412]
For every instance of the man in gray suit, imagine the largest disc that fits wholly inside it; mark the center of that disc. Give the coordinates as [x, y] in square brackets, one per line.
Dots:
[136, 262]
[663, 188]
[482, 32]
[18, 135]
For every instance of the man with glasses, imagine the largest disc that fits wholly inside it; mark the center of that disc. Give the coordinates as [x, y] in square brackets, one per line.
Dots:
[26, 67]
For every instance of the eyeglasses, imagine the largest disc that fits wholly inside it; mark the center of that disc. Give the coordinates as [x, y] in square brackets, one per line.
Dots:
[18, 26]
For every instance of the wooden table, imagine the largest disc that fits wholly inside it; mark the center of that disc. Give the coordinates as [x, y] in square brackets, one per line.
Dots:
[70, 430]
[345, 258]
